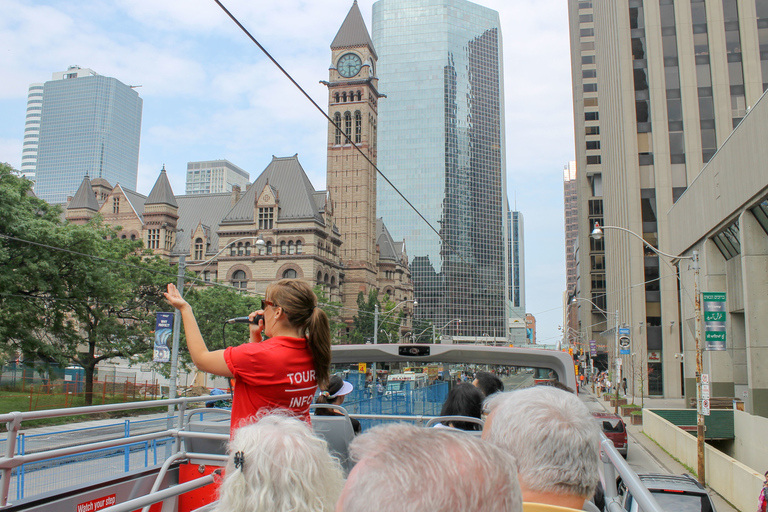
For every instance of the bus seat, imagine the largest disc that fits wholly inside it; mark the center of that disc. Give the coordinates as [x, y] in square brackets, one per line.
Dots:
[338, 433]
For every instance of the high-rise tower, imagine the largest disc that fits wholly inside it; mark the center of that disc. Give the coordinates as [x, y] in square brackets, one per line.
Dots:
[89, 124]
[352, 104]
[441, 142]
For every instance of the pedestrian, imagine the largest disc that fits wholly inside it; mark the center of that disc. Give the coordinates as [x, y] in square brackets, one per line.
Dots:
[762, 500]
[581, 381]
[624, 385]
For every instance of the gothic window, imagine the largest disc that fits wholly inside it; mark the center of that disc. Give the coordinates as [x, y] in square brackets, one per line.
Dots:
[115, 205]
[290, 274]
[298, 246]
[319, 277]
[348, 125]
[239, 280]
[336, 97]
[291, 247]
[358, 127]
[133, 237]
[337, 122]
[359, 95]
[344, 97]
[153, 238]
[266, 218]
[326, 279]
[333, 281]
[282, 247]
[198, 248]
[247, 248]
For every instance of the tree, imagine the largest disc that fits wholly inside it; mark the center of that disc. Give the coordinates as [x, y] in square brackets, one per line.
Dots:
[333, 310]
[362, 331]
[71, 293]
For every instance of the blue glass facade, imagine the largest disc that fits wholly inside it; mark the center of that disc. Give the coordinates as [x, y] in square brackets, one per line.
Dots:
[89, 125]
[441, 142]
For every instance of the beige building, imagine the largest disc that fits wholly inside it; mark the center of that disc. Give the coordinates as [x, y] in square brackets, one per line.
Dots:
[671, 80]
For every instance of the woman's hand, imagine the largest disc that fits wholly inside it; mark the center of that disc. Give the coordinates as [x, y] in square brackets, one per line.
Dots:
[174, 297]
[256, 328]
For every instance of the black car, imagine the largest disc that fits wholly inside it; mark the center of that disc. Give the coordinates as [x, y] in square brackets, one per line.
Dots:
[674, 493]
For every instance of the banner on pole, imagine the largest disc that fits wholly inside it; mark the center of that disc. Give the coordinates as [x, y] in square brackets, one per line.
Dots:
[163, 330]
[592, 348]
[714, 320]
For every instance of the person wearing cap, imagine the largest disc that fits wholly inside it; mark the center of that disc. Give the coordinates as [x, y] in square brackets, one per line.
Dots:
[338, 388]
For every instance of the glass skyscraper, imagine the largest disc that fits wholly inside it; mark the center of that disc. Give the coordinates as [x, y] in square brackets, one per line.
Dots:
[441, 142]
[89, 124]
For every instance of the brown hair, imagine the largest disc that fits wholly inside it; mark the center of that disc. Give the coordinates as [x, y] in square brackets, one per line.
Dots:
[300, 305]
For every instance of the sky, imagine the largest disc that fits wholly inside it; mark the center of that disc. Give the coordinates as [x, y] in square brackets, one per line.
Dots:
[210, 93]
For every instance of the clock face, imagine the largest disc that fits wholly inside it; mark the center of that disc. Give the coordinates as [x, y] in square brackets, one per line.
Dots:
[349, 65]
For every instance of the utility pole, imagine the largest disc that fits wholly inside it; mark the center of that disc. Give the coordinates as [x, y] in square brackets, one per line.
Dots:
[699, 413]
[176, 332]
[616, 363]
[375, 342]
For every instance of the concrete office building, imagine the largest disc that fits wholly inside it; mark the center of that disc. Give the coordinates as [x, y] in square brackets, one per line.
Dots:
[441, 143]
[731, 235]
[516, 237]
[32, 131]
[672, 79]
[89, 124]
[570, 205]
[214, 177]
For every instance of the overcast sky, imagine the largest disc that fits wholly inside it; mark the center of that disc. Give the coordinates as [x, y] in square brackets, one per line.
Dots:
[210, 93]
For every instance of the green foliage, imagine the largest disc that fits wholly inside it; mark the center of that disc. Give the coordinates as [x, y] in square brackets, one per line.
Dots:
[57, 306]
[333, 310]
[362, 331]
[390, 319]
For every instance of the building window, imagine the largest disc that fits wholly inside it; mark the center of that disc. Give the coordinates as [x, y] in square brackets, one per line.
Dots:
[358, 127]
[233, 250]
[290, 274]
[319, 277]
[591, 116]
[282, 247]
[291, 248]
[269, 247]
[239, 280]
[266, 217]
[590, 87]
[337, 122]
[593, 144]
[348, 125]
[153, 238]
[247, 248]
[198, 248]
[240, 248]
[594, 159]
[115, 205]
[592, 130]
[298, 246]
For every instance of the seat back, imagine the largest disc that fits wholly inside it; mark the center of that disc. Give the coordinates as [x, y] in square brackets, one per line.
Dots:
[337, 431]
[211, 421]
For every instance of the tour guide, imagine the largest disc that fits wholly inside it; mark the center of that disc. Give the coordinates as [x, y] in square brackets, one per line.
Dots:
[282, 372]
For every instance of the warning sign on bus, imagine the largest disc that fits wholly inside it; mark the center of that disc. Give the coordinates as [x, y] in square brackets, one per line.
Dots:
[97, 504]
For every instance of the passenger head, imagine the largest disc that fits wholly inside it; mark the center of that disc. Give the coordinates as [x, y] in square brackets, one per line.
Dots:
[488, 383]
[554, 439]
[403, 468]
[338, 388]
[299, 302]
[464, 400]
[277, 464]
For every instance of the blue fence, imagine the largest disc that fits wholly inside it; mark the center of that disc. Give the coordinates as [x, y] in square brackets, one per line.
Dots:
[62, 472]
[412, 401]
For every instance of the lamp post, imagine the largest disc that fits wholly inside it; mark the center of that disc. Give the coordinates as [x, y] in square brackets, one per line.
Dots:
[616, 343]
[376, 336]
[597, 233]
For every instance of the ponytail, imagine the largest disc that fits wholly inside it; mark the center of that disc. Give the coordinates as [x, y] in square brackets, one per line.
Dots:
[319, 341]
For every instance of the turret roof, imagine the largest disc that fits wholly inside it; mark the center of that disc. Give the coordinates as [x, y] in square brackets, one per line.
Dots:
[353, 32]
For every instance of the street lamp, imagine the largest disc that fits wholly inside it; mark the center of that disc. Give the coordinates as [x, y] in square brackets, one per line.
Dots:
[376, 335]
[597, 233]
[616, 343]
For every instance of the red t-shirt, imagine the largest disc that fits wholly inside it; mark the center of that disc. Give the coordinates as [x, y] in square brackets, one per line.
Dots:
[276, 373]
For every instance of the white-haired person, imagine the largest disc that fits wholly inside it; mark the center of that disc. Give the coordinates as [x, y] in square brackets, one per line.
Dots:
[555, 442]
[278, 465]
[403, 468]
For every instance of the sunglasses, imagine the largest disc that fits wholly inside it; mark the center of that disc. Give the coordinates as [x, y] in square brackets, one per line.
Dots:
[266, 303]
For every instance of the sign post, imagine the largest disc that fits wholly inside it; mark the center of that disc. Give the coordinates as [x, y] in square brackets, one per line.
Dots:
[714, 321]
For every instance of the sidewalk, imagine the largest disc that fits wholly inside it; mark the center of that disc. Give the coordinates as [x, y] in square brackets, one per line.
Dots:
[655, 451]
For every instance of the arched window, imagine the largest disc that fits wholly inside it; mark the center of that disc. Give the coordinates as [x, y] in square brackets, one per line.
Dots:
[336, 97]
[198, 248]
[282, 247]
[319, 277]
[358, 127]
[240, 248]
[239, 280]
[333, 281]
[232, 250]
[298, 246]
[269, 247]
[123, 237]
[326, 279]
[344, 96]
[290, 274]
[133, 237]
[348, 124]
[337, 122]
[359, 95]
[291, 248]
[247, 248]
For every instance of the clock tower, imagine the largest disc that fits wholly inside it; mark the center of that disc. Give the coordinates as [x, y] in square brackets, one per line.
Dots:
[351, 179]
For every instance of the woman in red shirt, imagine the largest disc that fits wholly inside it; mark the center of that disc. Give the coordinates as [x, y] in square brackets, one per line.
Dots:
[282, 372]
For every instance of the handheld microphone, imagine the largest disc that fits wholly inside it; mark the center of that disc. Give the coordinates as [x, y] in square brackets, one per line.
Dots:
[245, 320]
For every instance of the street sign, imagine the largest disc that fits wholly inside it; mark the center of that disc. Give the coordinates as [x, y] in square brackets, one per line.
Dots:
[705, 378]
[592, 348]
[624, 345]
[623, 331]
[705, 391]
[714, 320]
[705, 407]
[362, 368]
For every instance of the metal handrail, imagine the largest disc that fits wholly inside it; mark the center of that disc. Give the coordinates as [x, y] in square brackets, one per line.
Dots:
[614, 462]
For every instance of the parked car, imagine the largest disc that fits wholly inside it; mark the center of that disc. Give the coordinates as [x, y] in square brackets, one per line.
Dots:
[674, 493]
[614, 429]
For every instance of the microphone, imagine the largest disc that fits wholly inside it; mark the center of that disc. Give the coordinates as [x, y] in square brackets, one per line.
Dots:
[245, 320]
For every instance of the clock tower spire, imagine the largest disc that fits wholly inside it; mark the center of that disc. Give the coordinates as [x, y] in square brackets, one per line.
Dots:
[351, 181]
